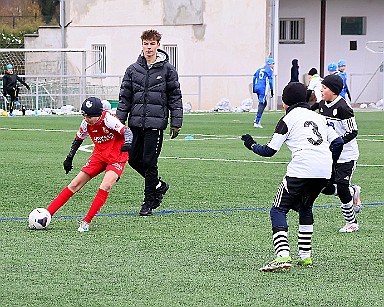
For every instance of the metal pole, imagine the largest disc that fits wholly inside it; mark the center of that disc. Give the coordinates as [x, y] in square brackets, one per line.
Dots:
[83, 78]
[62, 57]
[275, 49]
[37, 94]
[199, 104]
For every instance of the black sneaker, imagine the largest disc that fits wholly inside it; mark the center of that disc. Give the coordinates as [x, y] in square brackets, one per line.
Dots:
[159, 194]
[146, 209]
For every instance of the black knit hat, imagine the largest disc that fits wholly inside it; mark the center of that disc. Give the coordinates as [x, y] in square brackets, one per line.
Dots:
[294, 92]
[334, 83]
[92, 107]
[312, 71]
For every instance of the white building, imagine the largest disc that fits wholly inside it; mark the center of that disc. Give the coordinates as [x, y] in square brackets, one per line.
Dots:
[218, 45]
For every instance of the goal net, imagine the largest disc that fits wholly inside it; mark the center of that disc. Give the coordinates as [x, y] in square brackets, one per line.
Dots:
[56, 77]
[374, 62]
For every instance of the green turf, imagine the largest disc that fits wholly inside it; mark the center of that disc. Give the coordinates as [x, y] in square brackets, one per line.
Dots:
[212, 235]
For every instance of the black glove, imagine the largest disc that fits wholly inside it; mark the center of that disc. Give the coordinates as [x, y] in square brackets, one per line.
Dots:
[27, 86]
[174, 132]
[126, 147]
[271, 93]
[68, 164]
[248, 141]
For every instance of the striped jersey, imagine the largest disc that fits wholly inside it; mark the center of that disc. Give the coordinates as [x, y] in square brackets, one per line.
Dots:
[340, 116]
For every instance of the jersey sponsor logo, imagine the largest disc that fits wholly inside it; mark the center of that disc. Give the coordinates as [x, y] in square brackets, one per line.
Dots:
[103, 138]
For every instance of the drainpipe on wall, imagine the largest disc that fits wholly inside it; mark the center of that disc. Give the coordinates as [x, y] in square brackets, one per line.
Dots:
[62, 23]
[322, 35]
[274, 47]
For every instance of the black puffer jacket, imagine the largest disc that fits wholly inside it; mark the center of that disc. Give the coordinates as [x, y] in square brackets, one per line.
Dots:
[150, 94]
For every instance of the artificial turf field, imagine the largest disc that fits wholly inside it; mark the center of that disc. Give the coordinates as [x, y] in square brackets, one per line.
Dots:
[204, 245]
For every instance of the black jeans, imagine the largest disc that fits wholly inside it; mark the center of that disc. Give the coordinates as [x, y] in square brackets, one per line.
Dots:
[146, 148]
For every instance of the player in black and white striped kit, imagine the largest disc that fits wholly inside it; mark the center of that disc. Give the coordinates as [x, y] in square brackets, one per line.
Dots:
[340, 116]
[314, 145]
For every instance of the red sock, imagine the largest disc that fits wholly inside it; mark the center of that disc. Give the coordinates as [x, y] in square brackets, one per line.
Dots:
[60, 200]
[98, 202]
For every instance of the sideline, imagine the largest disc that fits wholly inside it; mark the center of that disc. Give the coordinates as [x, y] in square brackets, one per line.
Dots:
[181, 211]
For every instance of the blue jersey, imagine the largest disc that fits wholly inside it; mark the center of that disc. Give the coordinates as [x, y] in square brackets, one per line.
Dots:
[343, 76]
[260, 78]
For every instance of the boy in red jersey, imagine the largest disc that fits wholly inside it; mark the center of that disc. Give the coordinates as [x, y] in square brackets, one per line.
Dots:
[112, 142]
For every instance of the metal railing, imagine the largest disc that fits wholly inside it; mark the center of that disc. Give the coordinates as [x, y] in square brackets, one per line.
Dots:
[202, 91]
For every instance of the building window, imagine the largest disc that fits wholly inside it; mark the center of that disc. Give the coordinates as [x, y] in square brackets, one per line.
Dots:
[172, 52]
[291, 31]
[353, 25]
[99, 59]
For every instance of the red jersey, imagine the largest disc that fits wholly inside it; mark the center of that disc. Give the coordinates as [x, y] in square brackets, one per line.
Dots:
[107, 135]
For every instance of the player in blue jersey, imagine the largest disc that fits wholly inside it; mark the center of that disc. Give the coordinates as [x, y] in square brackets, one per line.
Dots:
[314, 145]
[260, 79]
[341, 65]
[332, 68]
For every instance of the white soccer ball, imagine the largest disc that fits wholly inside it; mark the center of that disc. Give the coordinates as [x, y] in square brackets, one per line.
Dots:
[39, 218]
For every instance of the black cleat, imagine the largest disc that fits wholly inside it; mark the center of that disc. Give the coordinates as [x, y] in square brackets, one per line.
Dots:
[146, 209]
[159, 194]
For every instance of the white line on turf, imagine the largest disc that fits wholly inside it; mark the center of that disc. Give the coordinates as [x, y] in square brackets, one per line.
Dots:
[86, 149]
[206, 137]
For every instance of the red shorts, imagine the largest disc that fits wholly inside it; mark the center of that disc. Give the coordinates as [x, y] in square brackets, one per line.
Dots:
[95, 166]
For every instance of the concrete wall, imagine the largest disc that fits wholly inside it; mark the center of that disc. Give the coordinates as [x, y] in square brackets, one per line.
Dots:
[213, 38]
[223, 41]
[361, 64]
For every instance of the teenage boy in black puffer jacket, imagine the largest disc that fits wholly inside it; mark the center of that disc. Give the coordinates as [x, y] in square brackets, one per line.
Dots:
[150, 95]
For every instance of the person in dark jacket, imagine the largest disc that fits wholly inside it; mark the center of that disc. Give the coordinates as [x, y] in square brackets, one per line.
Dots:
[149, 96]
[10, 87]
[294, 71]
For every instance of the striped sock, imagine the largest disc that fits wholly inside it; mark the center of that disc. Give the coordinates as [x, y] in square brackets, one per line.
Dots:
[280, 243]
[348, 212]
[304, 240]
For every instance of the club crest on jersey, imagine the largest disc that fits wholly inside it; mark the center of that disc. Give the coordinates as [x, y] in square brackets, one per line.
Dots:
[106, 131]
[334, 112]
